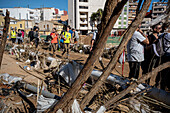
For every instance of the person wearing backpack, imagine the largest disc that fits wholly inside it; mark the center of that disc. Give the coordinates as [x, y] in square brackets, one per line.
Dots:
[150, 60]
[135, 50]
[162, 50]
[67, 39]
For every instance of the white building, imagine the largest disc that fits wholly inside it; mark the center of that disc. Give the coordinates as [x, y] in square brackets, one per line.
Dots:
[23, 13]
[122, 21]
[79, 13]
[47, 13]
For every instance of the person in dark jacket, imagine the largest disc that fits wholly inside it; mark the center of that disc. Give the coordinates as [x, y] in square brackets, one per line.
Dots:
[36, 36]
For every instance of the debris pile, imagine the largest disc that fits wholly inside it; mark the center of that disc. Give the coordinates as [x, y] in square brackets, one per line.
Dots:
[19, 96]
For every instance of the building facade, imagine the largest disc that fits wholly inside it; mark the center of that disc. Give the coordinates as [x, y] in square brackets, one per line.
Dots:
[132, 11]
[23, 13]
[79, 13]
[122, 21]
[158, 9]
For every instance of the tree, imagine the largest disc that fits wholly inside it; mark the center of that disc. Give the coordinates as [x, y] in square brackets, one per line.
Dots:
[113, 62]
[93, 19]
[4, 36]
[72, 93]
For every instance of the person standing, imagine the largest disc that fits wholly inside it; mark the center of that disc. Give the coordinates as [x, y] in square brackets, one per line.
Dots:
[75, 38]
[67, 40]
[135, 50]
[19, 37]
[31, 36]
[93, 41]
[36, 36]
[150, 59]
[71, 32]
[54, 40]
[13, 35]
[22, 31]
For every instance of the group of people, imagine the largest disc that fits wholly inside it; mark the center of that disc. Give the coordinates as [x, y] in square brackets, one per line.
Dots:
[143, 54]
[17, 36]
[64, 39]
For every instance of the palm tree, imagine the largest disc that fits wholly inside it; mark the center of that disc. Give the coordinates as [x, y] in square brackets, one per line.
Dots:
[96, 17]
[99, 14]
[93, 19]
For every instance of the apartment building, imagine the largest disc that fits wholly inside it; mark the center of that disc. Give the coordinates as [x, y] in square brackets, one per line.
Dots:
[79, 13]
[23, 13]
[158, 9]
[145, 23]
[132, 11]
[122, 21]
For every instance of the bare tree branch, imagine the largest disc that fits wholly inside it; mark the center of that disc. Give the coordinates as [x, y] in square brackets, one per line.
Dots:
[114, 60]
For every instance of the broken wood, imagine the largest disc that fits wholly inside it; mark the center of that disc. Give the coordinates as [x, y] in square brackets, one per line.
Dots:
[114, 60]
[4, 36]
[135, 84]
[72, 93]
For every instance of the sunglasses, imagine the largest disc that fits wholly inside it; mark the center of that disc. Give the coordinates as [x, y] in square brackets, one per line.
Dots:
[159, 28]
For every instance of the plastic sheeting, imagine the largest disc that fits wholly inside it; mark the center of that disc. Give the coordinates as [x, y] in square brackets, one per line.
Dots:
[44, 103]
[8, 79]
[70, 72]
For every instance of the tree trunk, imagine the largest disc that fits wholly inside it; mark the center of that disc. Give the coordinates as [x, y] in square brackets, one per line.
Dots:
[108, 9]
[138, 8]
[114, 60]
[135, 84]
[72, 93]
[4, 36]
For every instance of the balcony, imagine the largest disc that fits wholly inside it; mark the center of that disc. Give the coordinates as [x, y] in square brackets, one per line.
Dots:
[85, 22]
[83, 10]
[83, 28]
[83, 16]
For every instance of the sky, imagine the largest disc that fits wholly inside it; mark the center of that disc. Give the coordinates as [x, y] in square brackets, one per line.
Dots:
[61, 4]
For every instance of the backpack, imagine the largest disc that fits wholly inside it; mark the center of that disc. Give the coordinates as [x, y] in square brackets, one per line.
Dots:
[162, 45]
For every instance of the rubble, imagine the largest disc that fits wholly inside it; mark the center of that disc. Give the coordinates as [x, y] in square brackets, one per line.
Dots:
[61, 74]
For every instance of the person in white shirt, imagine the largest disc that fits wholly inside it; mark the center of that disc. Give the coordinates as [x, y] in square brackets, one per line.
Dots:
[135, 50]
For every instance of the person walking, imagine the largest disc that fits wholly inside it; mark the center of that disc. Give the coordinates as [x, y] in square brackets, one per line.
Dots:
[54, 40]
[13, 35]
[67, 40]
[135, 52]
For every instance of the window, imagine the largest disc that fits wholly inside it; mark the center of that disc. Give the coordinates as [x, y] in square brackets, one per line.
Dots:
[83, 0]
[20, 25]
[31, 12]
[120, 18]
[125, 13]
[47, 27]
[83, 7]
[119, 26]
[125, 18]
[119, 22]
[124, 23]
